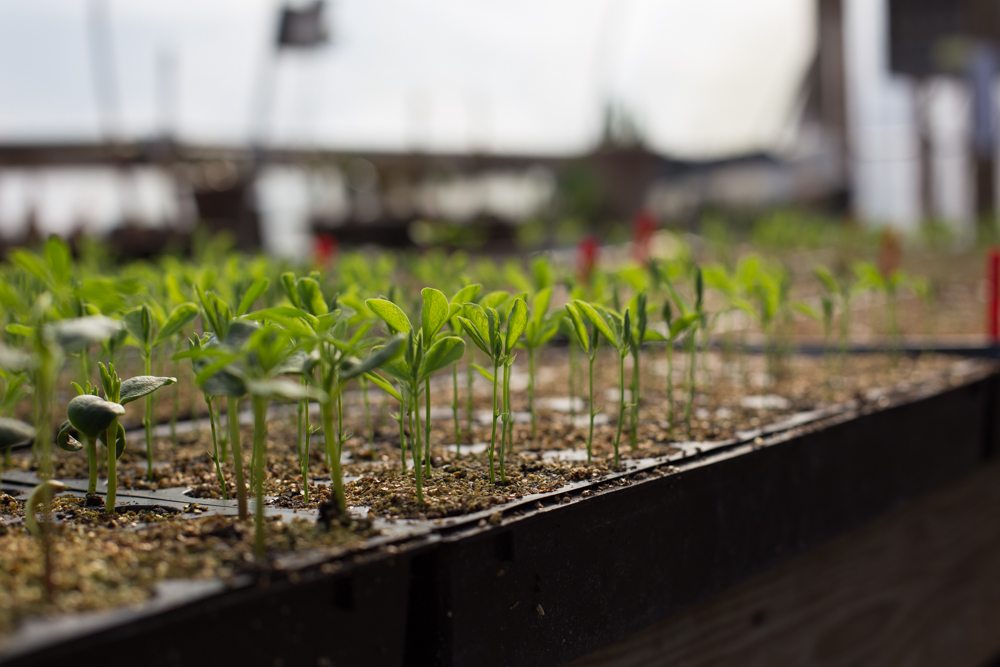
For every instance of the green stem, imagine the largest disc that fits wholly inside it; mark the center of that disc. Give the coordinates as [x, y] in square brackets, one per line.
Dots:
[402, 434]
[621, 404]
[259, 405]
[572, 381]
[329, 438]
[213, 419]
[427, 427]
[634, 421]
[454, 409]
[112, 445]
[233, 423]
[469, 400]
[369, 421]
[593, 411]
[493, 428]
[692, 370]
[416, 447]
[506, 433]
[147, 419]
[670, 385]
[531, 393]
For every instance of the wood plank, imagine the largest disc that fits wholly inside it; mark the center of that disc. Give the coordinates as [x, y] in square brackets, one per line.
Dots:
[917, 586]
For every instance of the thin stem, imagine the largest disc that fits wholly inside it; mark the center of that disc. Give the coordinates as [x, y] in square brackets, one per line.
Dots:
[493, 428]
[621, 404]
[112, 444]
[593, 411]
[506, 432]
[147, 419]
[634, 412]
[259, 406]
[402, 434]
[692, 370]
[427, 426]
[670, 385]
[454, 409]
[416, 446]
[213, 422]
[329, 438]
[572, 381]
[233, 422]
[369, 421]
[531, 393]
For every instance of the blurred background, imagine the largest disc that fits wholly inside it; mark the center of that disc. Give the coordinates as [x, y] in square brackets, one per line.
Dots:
[489, 125]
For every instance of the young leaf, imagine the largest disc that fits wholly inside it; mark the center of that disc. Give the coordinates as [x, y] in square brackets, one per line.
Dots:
[374, 360]
[138, 322]
[391, 314]
[384, 385]
[596, 319]
[311, 296]
[442, 353]
[68, 438]
[485, 372]
[517, 320]
[176, 321]
[140, 385]
[253, 292]
[578, 327]
[434, 312]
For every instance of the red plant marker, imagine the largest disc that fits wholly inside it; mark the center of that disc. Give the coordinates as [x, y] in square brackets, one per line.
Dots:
[587, 259]
[326, 248]
[993, 295]
[642, 234]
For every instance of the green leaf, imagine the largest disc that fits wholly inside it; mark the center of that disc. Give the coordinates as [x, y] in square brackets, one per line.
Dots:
[376, 359]
[253, 292]
[176, 321]
[682, 324]
[289, 286]
[485, 372]
[540, 306]
[140, 385]
[578, 327]
[473, 332]
[391, 314]
[223, 383]
[138, 323]
[384, 385]
[311, 296]
[81, 332]
[434, 312]
[22, 330]
[443, 352]
[596, 319]
[517, 320]
[494, 299]
[92, 414]
[15, 432]
[466, 294]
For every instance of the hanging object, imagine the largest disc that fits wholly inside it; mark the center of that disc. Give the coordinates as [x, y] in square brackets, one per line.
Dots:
[302, 27]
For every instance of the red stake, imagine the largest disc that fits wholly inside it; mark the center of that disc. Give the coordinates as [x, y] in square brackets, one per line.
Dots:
[993, 295]
[587, 258]
[326, 248]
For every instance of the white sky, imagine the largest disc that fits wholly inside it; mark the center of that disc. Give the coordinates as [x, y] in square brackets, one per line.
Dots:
[703, 77]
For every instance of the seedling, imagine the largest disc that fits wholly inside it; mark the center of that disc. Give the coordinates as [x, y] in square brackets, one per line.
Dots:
[496, 338]
[616, 330]
[587, 338]
[421, 358]
[539, 331]
[151, 329]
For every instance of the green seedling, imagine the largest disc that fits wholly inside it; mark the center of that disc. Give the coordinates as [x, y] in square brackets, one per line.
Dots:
[422, 357]
[497, 337]
[150, 329]
[587, 338]
[467, 294]
[539, 331]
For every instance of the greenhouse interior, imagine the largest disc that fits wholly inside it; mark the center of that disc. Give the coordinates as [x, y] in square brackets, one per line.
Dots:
[430, 332]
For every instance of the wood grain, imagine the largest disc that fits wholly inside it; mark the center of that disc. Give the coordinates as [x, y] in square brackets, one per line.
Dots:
[917, 586]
